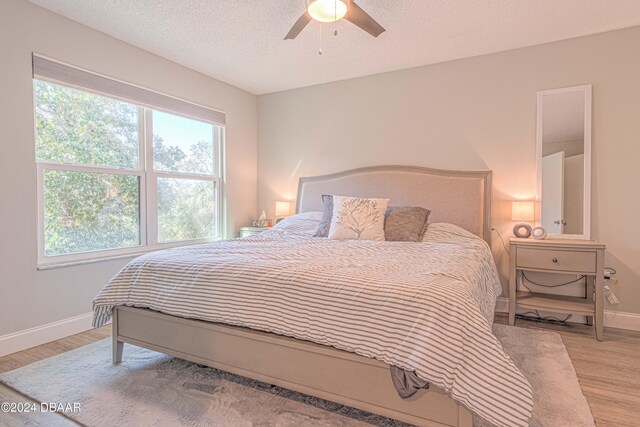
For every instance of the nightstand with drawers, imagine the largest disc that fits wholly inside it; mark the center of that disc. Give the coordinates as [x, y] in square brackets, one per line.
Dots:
[579, 257]
[251, 231]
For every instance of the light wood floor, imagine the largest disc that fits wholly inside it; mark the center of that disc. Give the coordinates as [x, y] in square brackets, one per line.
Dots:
[609, 371]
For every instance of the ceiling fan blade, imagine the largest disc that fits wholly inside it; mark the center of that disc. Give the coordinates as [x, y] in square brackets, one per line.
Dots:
[360, 18]
[298, 26]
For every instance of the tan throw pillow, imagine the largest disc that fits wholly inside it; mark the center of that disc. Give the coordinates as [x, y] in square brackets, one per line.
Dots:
[405, 223]
[355, 218]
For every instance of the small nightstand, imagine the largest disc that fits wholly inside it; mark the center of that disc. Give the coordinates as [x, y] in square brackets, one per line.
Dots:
[580, 257]
[250, 231]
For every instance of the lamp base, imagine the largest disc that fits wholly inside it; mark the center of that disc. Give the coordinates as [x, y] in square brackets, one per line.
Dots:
[522, 230]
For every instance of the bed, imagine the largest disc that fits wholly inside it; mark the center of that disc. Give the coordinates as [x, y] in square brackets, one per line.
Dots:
[334, 345]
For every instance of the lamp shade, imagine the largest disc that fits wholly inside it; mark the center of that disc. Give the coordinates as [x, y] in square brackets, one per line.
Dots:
[522, 210]
[283, 208]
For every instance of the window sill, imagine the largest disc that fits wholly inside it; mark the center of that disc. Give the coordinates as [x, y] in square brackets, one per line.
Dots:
[54, 264]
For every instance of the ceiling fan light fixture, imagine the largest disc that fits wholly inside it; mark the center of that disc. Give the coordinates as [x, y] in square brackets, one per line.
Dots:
[334, 10]
[327, 10]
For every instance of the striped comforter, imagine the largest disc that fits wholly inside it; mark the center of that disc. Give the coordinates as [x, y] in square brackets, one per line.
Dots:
[425, 307]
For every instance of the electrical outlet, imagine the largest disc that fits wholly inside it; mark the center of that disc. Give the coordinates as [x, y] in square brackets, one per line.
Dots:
[608, 276]
[611, 280]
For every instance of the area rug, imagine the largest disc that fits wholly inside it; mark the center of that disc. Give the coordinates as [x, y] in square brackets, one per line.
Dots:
[150, 388]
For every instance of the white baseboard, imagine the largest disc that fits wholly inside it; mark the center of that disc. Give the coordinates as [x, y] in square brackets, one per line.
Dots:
[32, 337]
[502, 306]
[612, 319]
[622, 320]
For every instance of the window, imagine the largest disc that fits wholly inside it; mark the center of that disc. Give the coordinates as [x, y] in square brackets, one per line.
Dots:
[184, 162]
[116, 177]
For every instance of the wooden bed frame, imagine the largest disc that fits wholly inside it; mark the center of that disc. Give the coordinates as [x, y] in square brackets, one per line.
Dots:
[318, 370]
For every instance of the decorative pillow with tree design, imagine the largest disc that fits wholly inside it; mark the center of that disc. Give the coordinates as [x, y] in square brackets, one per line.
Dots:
[355, 218]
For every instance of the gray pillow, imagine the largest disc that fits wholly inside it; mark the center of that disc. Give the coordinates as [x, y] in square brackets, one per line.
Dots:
[405, 223]
[401, 223]
[327, 213]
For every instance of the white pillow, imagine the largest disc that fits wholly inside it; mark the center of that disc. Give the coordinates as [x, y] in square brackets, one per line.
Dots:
[355, 218]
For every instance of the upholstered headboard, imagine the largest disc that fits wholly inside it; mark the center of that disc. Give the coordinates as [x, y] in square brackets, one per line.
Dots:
[462, 198]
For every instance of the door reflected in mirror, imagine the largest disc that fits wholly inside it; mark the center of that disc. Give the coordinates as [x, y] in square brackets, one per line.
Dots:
[564, 141]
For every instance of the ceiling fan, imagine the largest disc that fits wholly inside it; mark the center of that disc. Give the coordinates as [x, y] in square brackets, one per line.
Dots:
[335, 10]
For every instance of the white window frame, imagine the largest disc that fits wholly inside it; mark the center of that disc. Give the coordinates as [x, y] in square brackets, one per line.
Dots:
[152, 184]
[148, 209]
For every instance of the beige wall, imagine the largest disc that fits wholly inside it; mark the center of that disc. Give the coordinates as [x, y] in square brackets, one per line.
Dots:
[570, 148]
[477, 113]
[29, 297]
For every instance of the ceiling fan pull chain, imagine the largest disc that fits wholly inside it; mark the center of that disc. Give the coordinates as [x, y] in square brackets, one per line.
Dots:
[320, 49]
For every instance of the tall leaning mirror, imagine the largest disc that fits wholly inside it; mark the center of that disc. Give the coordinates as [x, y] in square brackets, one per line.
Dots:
[564, 162]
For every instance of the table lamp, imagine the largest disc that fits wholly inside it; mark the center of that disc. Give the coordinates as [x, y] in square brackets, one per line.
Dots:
[522, 211]
[282, 209]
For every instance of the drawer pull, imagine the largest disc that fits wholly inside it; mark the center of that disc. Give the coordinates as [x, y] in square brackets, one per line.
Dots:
[555, 260]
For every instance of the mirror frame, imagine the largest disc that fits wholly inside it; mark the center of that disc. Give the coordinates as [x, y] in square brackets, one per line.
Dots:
[586, 213]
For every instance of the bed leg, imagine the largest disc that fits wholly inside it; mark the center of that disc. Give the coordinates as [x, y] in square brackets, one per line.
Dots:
[117, 345]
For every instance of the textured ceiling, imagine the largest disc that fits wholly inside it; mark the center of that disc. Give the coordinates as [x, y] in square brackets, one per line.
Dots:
[241, 42]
